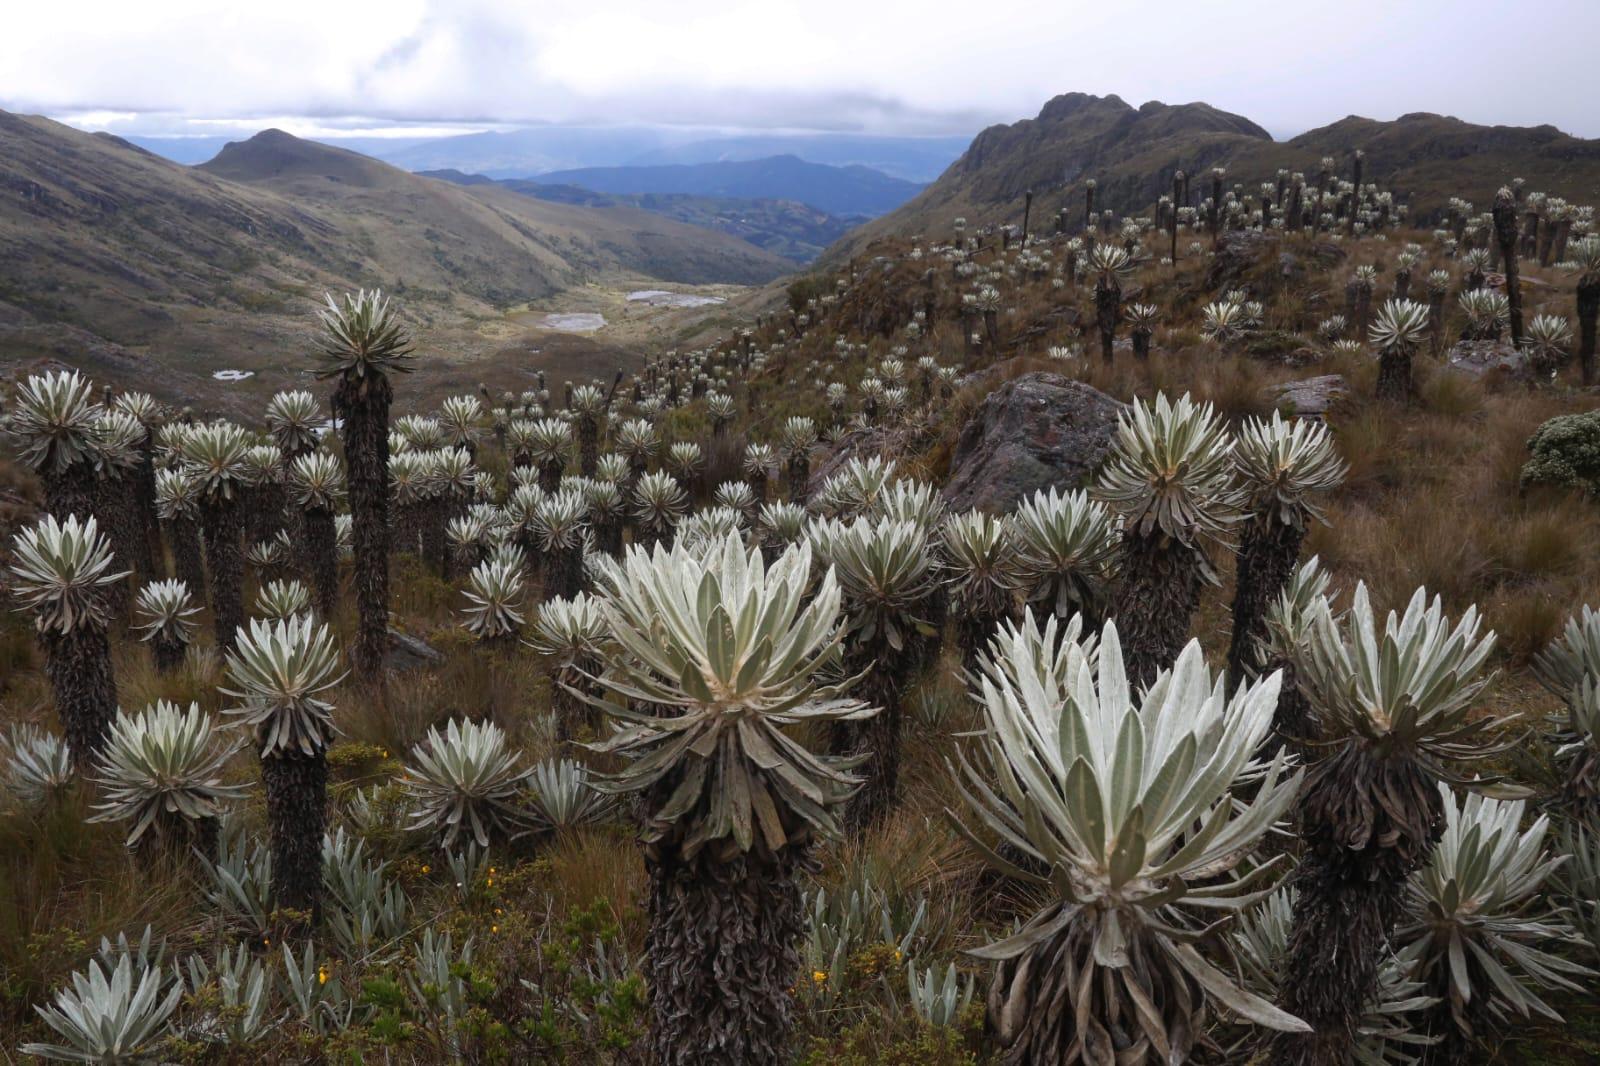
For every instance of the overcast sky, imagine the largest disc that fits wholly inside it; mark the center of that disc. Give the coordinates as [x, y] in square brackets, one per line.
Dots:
[887, 66]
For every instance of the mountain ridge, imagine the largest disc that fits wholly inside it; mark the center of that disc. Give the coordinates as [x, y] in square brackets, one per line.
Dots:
[796, 231]
[1132, 154]
[138, 257]
[844, 191]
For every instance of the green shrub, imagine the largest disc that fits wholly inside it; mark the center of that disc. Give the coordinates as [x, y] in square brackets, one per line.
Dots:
[1566, 453]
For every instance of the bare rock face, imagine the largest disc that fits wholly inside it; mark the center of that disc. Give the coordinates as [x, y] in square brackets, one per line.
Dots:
[1309, 397]
[1034, 432]
[1488, 360]
[408, 653]
[1238, 252]
[867, 443]
[1254, 260]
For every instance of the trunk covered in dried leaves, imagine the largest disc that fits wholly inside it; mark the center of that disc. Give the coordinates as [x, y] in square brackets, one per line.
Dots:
[878, 737]
[79, 667]
[322, 553]
[1107, 309]
[1368, 822]
[1154, 602]
[563, 574]
[1268, 552]
[114, 511]
[722, 955]
[169, 654]
[1588, 312]
[1395, 380]
[1034, 999]
[1505, 231]
[297, 812]
[70, 492]
[144, 495]
[224, 531]
[363, 404]
[187, 561]
[1294, 725]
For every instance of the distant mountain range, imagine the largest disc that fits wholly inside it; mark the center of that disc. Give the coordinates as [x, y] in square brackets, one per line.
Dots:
[115, 256]
[537, 150]
[793, 230]
[1132, 154]
[852, 190]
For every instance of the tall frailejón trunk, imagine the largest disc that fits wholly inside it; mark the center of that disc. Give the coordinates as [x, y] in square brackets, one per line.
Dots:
[722, 955]
[1268, 552]
[1107, 309]
[297, 815]
[1368, 822]
[78, 664]
[224, 532]
[1155, 601]
[322, 553]
[1588, 311]
[188, 562]
[1505, 231]
[363, 404]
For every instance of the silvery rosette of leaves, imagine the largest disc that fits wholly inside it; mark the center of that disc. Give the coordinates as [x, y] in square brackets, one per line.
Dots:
[1479, 919]
[494, 595]
[164, 761]
[294, 418]
[165, 609]
[719, 654]
[1170, 470]
[317, 480]
[1066, 548]
[214, 457]
[1410, 684]
[278, 671]
[978, 557]
[59, 569]
[360, 335]
[53, 418]
[1122, 807]
[110, 1014]
[887, 574]
[466, 778]
[1283, 465]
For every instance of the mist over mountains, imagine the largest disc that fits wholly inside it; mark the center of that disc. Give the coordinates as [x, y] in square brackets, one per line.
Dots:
[530, 152]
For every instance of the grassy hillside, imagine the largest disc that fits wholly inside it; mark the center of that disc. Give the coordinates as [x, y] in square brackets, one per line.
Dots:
[137, 267]
[796, 231]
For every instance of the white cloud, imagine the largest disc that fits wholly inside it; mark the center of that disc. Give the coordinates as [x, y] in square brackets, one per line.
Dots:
[926, 67]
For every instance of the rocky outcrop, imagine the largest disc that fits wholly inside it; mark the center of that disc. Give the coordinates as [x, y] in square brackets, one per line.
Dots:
[1034, 432]
[1309, 397]
[1488, 360]
[408, 653]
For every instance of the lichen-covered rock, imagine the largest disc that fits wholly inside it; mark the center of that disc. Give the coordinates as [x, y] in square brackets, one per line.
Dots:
[1566, 453]
[1034, 432]
[408, 653]
[1309, 397]
[1489, 360]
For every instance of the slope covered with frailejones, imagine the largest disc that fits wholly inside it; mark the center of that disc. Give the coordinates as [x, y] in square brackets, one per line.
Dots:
[1133, 153]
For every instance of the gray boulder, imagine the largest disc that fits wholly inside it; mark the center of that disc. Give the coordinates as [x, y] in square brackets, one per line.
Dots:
[1493, 360]
[1309, 397]
[1034, 432]
[408, 653]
